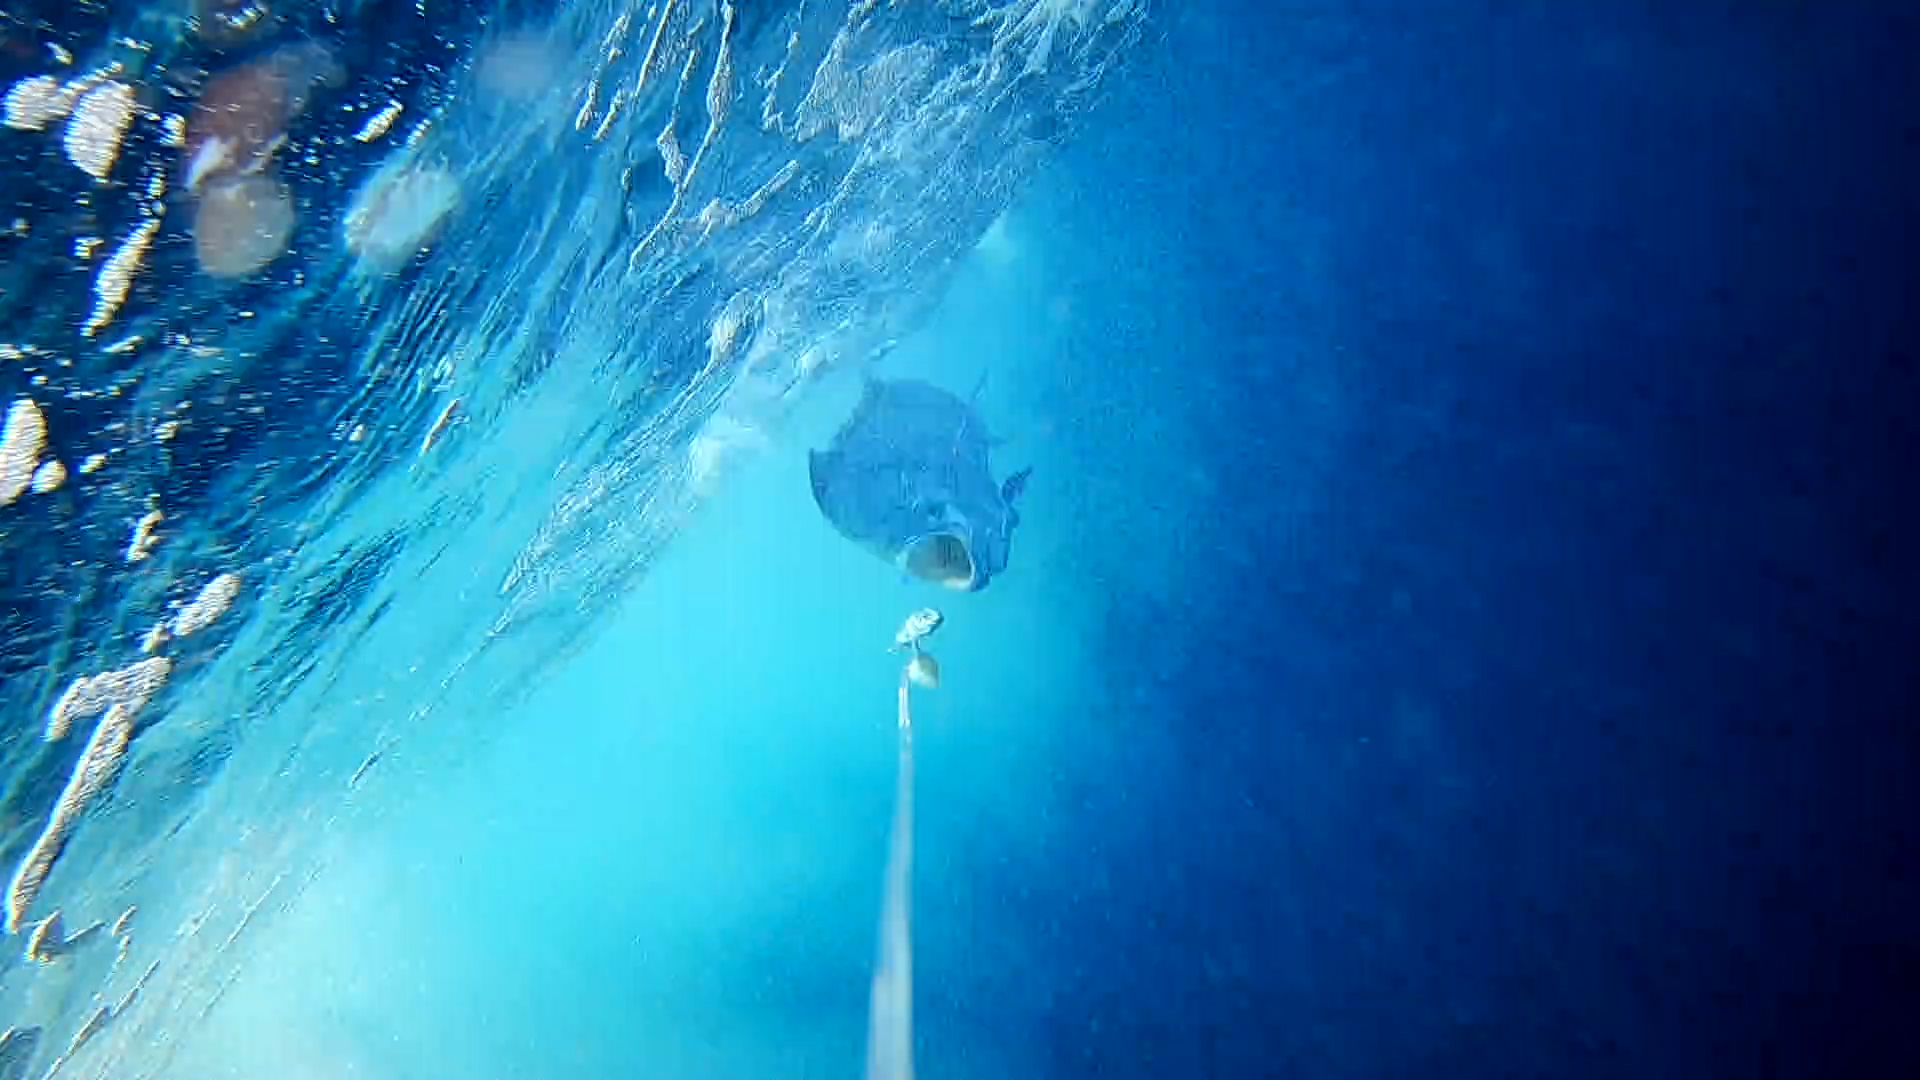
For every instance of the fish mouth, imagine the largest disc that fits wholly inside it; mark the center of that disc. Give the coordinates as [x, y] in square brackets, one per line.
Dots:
[942, 558]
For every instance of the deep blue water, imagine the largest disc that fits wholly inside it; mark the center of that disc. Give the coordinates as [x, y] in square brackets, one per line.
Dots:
[1568, 735]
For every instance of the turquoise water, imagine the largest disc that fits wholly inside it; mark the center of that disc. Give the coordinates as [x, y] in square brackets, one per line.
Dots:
[429, 451]
[669, 858]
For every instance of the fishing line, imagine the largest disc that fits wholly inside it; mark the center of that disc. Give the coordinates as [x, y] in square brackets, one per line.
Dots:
[890, 1006]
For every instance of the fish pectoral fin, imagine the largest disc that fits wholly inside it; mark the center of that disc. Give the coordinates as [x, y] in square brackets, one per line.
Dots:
[1015, 484]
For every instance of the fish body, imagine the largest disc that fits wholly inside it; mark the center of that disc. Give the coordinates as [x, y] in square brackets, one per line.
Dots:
[907, 477]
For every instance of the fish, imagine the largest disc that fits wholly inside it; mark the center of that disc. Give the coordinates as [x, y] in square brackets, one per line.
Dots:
[907, 477]
[919, 626]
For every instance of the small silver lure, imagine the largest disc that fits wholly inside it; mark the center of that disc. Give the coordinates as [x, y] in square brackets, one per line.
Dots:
[919, 625]
[922, 669]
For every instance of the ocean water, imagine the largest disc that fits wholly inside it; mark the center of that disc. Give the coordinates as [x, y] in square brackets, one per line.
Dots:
[1455, 627]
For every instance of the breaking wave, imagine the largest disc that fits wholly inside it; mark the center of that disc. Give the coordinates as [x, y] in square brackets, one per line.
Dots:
[356, 359]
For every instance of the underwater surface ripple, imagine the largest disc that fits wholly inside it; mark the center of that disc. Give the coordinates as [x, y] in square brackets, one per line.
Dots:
[527, 290]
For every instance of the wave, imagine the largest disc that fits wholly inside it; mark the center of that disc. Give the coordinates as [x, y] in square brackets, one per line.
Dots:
[280, 522]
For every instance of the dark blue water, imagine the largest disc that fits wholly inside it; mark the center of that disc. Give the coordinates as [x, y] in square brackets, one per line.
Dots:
[1566, 733]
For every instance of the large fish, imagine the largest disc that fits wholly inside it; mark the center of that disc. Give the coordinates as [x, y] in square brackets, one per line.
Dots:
[907, 477]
